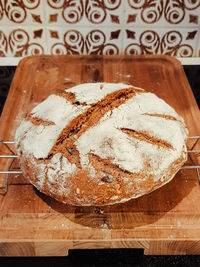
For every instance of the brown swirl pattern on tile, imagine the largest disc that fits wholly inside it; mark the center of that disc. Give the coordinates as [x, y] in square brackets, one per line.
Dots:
[16, 11]
[94, 43]
[171, 44]
[3, 44]
[1, 10]
[18, 44]
[151, 43]
[100, 27]
[72, 11]
[94, 10]
[173, 10]
[151, 10]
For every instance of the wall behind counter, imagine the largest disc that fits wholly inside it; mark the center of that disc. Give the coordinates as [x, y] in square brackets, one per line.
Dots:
[100, 27]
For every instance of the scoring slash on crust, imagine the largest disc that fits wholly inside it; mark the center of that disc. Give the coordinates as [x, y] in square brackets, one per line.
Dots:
[137, 159]
[38, 121]
[65, 141]
[143, 136]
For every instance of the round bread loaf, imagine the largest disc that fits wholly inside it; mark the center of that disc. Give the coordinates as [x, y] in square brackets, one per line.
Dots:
[101, 143]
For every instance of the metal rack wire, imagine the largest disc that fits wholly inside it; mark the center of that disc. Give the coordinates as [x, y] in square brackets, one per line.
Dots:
[13, 156]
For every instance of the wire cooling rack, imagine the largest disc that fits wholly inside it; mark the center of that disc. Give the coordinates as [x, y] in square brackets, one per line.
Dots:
[16, 170]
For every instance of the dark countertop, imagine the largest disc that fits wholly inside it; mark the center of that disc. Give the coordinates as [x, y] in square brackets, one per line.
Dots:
[103, 257]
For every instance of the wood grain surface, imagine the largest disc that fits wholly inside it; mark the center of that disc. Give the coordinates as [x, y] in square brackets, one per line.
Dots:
[166, 221]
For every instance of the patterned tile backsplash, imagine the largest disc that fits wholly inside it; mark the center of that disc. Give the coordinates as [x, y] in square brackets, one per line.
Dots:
[100, 27]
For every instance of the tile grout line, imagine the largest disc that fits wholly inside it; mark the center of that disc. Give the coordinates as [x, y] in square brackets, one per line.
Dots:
[123, 38]
[44, 25]
[125, 25]
[124, 9]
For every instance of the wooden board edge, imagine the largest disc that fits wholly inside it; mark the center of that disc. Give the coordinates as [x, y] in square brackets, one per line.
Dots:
[29, 60]
[18, 72]
[61, 247]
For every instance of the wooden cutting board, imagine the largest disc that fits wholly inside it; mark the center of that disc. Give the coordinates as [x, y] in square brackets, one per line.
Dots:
[166, 221]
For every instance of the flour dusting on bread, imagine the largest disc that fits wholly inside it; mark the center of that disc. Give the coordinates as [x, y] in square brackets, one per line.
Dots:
[101, 143]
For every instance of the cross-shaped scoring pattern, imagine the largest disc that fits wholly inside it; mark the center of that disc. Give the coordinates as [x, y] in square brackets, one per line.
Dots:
[114, 143]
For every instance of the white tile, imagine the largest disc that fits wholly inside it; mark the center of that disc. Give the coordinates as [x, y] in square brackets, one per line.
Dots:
[96, 27]
[22, 41]
[24, 13]
[176, 42]
[83, 41]
[162, 13]
[83, 13]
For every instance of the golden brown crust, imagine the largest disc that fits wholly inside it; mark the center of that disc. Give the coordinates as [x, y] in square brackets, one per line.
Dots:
[144, 136]
[105, 182]
[167, 117]
[69, 96]
[88, 119]
[38, 121]
[84, 190]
